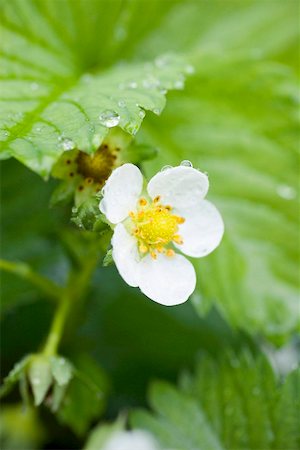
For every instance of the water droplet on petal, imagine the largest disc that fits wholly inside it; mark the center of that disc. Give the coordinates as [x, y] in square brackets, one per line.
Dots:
[166, 168]
[109, 118]
[285, 191]
[186, 163]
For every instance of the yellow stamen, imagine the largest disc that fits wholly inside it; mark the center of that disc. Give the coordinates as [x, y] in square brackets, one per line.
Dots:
[155, 227]
[143, 202]
[178, 239]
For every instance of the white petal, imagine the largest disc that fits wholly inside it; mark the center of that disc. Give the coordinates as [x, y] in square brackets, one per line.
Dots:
[121, 192]
[202, 230]
[167, 280]
[125, 254]
[179, 186]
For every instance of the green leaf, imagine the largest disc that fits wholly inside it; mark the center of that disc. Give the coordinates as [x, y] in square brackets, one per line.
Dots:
[40, 378]
[62, 370]
[234, 402]
[86, 391]
[14, 375]
[237, 120]
[53, 100]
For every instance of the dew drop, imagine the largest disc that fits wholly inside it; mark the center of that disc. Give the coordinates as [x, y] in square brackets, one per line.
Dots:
[121, 103]
[285, 191]
[87, 78]
[142, 113]
[189, 69]
[132, 85]
[157, 111]
[166, 168]
[162, 61]
[6, 133]
[109, 118]
[186, 163]
[36, 381]
[34, 86]
[179, 84]
[66, 143]
[151, 83]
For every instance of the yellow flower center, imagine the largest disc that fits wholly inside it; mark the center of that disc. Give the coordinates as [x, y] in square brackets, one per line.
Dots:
[155, 227]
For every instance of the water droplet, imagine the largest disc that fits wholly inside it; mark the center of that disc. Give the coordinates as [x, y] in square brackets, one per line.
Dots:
[157, 111]
[102, 192]
[285, 191]
[162, 61]
[36, 381]
[66, 143]
[121, 103]
[142, 113]
[186, 163]
[34, 86]
[87, 78]
[179, 84]
[6, 133]
[132, 85]
[38, 129]
[109, 118]
[163, 91]
[151, 83]
[166, 168]
[189, 69]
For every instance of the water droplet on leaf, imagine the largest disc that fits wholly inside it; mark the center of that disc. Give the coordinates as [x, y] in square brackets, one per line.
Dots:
[285, 191]
[34, 86]
[121, 103]
[109, 118]
[67, 144]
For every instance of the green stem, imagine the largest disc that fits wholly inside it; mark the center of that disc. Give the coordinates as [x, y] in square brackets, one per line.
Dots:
[74, 291]
[57, 325]
[23, 270]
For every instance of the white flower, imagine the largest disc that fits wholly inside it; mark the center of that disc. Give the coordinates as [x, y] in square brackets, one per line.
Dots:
[131, 440]
[170, 213]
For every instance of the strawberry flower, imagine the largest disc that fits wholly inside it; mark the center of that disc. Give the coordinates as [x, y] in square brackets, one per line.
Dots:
[152, 224]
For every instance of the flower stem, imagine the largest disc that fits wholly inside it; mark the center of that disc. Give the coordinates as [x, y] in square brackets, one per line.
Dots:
[73, 292]
[57, 325]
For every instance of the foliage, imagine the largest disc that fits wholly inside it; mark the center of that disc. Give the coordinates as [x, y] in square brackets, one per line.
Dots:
[234, 403]
[72, 73]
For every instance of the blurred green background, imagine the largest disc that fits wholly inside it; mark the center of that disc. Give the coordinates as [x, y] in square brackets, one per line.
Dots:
[237, 119]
